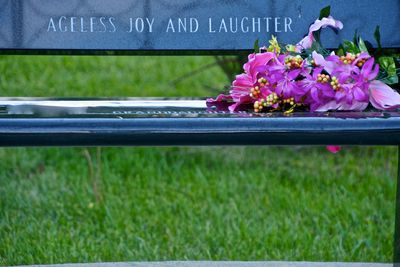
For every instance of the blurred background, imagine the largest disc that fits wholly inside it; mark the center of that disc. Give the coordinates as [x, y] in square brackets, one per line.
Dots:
[60, 205]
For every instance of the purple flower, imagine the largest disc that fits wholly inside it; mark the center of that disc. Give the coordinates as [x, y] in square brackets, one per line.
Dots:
[352, 77]
[283, 74]
[315, 88]
[348, 95]
[369, 70]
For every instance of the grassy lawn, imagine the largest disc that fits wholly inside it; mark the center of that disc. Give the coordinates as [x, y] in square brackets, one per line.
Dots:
[61, 205]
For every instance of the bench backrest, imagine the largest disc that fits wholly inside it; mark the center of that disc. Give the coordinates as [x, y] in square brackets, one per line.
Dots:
[180, 26]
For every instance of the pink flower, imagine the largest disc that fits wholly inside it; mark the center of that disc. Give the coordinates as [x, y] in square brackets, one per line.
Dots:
[383, 97]
[242, 85]
[333, 149]
[307, 41]
[241, 94]
[257, 63]
[241, 88]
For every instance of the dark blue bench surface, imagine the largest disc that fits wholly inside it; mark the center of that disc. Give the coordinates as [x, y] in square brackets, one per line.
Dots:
[136, 121]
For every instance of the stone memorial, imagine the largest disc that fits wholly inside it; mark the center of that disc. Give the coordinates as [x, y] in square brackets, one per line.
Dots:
[154, 26]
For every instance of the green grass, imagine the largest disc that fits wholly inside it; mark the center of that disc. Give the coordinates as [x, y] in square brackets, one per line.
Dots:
[61, 205]
[107, 76]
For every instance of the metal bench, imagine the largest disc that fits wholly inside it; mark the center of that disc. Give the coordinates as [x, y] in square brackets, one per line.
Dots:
[156, 27]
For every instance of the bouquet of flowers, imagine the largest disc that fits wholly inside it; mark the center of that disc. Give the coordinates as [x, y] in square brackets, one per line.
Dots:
[305, 76]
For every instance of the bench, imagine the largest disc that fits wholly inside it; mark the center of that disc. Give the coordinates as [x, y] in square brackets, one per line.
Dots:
[190, 27]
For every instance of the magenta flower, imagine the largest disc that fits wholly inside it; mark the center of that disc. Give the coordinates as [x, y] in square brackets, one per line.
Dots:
[307, 41]
[257, 63]
[286, 85]
[245, 84]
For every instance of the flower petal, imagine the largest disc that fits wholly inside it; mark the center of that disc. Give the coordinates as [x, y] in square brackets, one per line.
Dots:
[326, 22]
[238, 107]
[359, 94]
[305, 43]
[329, 66]
[221, 103]
[220, 98]
[232, 108]
[241, 86]
[383, 97]
[314, 94]
[354, 106]
[370, 70]
[243, 80]
[252, 67]
[332, 105]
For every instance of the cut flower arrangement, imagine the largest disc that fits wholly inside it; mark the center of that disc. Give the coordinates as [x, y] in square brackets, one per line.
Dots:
[307, 77]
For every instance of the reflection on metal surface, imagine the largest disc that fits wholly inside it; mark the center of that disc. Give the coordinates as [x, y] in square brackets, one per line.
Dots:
[71, 107]
[143, 103]
[148, 108]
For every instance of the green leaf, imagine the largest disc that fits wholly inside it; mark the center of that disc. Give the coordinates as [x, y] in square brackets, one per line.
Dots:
[350, 47]
[257, 46]
[361, 45]
[389, 66]
[325, 12]
[340, 52]
[316, 46]
[390, 80]
[377, 35]
[356, 36]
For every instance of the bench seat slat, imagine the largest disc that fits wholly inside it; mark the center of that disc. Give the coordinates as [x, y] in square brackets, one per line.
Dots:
[155, 122]
[135, 132]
